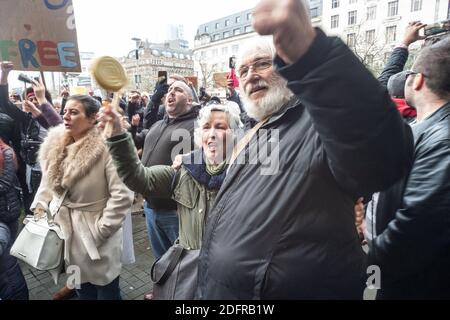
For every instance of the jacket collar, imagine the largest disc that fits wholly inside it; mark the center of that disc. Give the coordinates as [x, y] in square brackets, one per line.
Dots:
[294, 102]
[440, 114]
[64, 162]
[191, 114]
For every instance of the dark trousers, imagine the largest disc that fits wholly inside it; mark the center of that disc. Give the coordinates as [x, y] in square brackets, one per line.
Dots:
[91, 291]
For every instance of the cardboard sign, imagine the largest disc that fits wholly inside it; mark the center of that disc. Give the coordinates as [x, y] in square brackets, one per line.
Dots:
[78, 90]
[220, 79]
[39, 35]
[194, 81]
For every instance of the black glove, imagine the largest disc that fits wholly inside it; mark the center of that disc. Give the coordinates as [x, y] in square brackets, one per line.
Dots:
[160, 91]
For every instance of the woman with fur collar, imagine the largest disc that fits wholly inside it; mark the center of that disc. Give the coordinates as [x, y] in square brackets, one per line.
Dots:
[75, 161]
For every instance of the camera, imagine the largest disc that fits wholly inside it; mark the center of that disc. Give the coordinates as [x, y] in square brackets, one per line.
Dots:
[30, 149]
[232, 62]
[24, 78]
[437, 28]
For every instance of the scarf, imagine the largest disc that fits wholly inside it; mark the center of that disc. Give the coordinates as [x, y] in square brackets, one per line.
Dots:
[208, 175]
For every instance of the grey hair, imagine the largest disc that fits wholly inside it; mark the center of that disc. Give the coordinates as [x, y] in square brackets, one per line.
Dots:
[261, 45]
[232, 112]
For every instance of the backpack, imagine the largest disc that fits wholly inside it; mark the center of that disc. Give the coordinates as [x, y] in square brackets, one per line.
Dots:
[10, 192]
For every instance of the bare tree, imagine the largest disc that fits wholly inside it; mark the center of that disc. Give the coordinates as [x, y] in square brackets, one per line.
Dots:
[207, 73]
[367, 46]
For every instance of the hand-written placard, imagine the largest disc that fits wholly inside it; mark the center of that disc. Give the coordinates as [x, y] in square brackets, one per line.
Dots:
[220, 79]
[39, 35]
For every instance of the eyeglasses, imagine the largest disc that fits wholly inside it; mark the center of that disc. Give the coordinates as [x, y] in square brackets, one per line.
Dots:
[408, 73]
[257, 66]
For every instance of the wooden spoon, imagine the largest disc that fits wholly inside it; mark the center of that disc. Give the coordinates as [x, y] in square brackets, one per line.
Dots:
[110, 75]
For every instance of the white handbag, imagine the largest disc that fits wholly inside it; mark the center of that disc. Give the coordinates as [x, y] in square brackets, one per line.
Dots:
[40, 244]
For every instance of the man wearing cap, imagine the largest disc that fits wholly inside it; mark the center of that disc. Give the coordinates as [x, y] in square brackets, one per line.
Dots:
[390, 76]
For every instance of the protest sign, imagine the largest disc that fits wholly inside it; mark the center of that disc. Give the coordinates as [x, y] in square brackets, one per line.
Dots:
[220, 79]
[39, 35]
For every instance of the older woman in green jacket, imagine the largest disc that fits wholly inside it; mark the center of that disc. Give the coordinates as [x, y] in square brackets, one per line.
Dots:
[195, 185]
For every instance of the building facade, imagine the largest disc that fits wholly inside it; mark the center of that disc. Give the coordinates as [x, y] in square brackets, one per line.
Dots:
[219, 40]
[142, 68]
[372, 28]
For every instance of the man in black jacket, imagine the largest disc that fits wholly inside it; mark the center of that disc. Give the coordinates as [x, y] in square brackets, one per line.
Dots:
[166, 138]
[413, 217]
[290, 233]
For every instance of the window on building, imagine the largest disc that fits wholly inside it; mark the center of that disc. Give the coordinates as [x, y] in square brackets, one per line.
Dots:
[372, 13]
[224, 51]
[217, 26]
[206, 29]
[370, 36]
[369, 59]
[390, 34]
[238, 19]
[226, 34]
[351, 38]
[352, 1]
[334, 21]
[392, 8]
[236, 31]
[203, 54]
[314, 12]
[249, 16]
[334, 3]
[352, 18]
[235, 49]
[248, 29]
[215, 52]
[227, 23]
[416, 5]
[216, 37]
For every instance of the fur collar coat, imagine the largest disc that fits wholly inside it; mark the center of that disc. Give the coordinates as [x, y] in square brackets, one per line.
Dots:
[94, 207]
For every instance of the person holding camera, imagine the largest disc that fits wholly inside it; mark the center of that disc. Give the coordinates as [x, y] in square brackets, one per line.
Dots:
[135, 108]
[38, 116]
[25, 139]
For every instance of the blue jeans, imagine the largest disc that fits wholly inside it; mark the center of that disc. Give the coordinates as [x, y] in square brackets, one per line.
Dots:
[162, 227]
[90, 291]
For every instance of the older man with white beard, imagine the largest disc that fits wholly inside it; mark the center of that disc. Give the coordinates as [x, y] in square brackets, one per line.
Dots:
[291, 234]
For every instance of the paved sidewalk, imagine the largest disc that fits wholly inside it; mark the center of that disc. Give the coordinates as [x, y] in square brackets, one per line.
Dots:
[134, 279]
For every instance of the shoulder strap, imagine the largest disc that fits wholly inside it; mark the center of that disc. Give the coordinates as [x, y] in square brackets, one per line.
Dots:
[245, 141]
[178, 251]
[58, 205]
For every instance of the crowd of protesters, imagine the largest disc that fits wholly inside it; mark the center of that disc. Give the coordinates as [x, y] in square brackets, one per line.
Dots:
[274, 191]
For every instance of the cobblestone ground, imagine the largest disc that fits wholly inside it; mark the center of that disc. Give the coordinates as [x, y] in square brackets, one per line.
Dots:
[134, 279]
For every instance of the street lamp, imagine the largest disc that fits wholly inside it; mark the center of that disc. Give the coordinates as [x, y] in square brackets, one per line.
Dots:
[137, 77]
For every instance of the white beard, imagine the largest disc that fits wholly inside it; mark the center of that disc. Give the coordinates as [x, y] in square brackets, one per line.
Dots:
[275, 98]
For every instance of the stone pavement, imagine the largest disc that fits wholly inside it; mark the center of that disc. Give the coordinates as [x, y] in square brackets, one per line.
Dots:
[134, 279]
